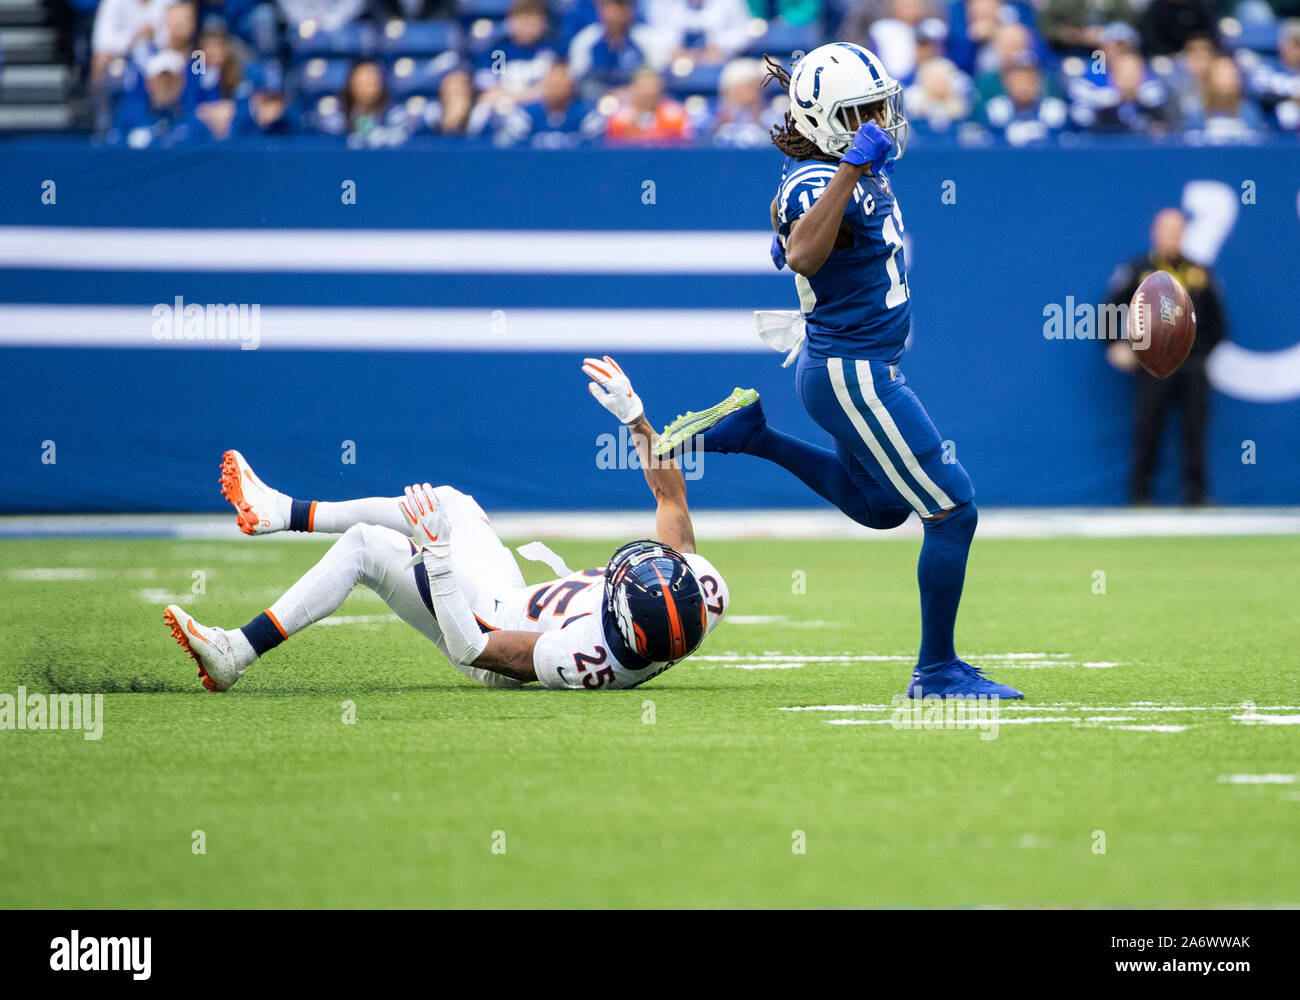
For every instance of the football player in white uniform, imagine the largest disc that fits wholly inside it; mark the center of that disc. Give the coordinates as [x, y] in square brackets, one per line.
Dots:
[433, 556]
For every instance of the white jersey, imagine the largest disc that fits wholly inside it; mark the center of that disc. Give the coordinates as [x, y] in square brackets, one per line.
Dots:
[573, 651]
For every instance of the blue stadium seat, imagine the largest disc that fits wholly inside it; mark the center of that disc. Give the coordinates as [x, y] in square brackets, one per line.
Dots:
[264, 74]
[418, 38]
[419, 76]
[472, 10]
[783, 39]
[700, 80]
[353, 40]
[322, 76]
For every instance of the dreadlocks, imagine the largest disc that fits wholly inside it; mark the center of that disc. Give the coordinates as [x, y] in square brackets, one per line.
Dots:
[785, 136]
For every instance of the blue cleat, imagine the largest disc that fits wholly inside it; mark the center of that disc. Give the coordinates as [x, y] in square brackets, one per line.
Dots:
[728, 427]
[957, 679]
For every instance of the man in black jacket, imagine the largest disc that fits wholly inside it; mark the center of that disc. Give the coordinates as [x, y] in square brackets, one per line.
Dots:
[1187, 389]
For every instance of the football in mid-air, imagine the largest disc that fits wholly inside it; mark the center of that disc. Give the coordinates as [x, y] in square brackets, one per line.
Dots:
[1161, 324]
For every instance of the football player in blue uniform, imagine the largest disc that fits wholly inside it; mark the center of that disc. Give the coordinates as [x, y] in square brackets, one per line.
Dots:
[838, 228]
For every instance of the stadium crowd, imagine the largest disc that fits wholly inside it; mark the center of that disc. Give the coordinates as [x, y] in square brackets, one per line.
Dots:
[564, 73]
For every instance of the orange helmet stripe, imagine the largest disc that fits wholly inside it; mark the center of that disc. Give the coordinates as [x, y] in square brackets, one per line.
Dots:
[677, 638]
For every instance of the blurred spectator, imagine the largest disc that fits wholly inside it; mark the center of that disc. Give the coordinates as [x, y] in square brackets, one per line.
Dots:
[1021, 114]
[1075, 26]
[180, 22]
[1095, 88]
[216, 91]
[267, 112]
[360, 111]
[453, 113]
[646, 116]
[234, 14]
[1141, 102]
[1010, 44]
[1226, 115]
[1188, 74]
[1188, 388]
[799, 12]
[859, 16]
[607, 53]
[558, 120]
[573, 16]
[219, 73]
[1276, 84]
[704, 31]
[516, 61]
[1166, 25]
[156, 115]
[120, 25]
[326, 15]
[972, 23]
[893, 38]
[744, 116]
[939, 99]
[931, 35]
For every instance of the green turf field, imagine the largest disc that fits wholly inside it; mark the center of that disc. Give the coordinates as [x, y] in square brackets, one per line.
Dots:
[701, 807]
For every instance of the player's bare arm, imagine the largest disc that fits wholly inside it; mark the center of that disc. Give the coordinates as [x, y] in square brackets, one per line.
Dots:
[509, 653]
[613, 390]
[664, 477]
[814, 235]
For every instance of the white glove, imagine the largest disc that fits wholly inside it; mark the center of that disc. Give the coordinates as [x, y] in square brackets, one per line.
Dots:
[613, 389]
[430, 530]
[782, 330]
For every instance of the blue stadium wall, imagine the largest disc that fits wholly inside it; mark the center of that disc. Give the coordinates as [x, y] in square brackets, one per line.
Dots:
[1036, 421]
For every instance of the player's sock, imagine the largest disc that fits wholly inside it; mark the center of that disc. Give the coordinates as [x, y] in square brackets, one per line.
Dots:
[821, 471]
[257, 637]
[941, 572]
[335, 518]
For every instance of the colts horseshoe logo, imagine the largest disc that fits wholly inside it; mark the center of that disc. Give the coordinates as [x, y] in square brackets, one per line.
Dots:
[817, 88]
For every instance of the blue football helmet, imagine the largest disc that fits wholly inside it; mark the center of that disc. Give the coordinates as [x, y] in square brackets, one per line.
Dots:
[654, 601]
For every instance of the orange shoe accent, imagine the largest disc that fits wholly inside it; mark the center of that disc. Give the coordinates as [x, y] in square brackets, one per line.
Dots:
[178, 634]
[232, 489]
[311, 516]
[189, 627]
[276, 622]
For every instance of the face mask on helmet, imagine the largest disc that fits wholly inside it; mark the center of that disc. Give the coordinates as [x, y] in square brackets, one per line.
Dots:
[655, 601]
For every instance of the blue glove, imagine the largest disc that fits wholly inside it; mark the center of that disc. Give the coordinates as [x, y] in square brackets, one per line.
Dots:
[871, 144]
[778, 252]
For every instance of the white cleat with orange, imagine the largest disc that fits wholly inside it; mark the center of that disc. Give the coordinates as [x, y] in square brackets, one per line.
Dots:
[259, 509]
[209, 646]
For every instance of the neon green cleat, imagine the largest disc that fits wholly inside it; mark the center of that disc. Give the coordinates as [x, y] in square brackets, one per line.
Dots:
[690, 425]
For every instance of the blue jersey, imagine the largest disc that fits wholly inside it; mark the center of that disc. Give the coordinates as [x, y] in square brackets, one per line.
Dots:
[857, 304]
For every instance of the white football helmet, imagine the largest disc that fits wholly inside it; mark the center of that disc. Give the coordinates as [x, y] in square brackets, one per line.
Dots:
[833, 90]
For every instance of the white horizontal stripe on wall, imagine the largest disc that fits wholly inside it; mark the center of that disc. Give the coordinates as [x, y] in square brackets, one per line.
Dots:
[405, 251]
[326, 328]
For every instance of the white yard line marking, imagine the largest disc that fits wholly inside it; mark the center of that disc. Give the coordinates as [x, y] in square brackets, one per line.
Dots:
[777, 620]
[1079, 715]
[1268, 720]
[1258, 779]
[764, 666]
[810, 658]
[44, 574]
